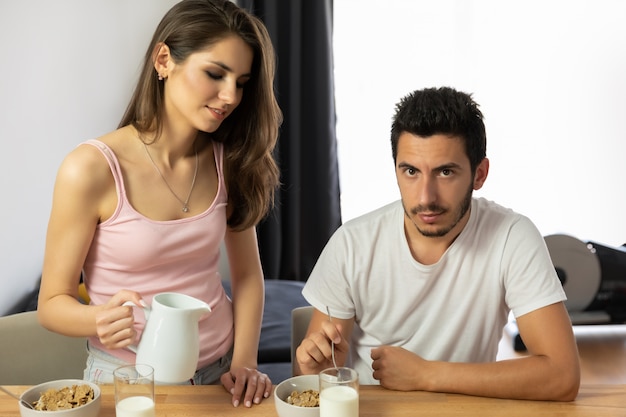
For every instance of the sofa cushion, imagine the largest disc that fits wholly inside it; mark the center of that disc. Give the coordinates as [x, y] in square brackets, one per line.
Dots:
[281, 296]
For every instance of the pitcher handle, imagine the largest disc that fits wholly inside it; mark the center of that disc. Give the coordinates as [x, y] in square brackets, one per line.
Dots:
[146, 311]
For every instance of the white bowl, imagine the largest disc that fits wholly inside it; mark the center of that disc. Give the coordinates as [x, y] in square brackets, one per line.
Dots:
[285, 388]
[91, 409]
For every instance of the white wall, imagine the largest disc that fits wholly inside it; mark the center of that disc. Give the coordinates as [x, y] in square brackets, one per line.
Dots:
[550, 76]
[67, 68]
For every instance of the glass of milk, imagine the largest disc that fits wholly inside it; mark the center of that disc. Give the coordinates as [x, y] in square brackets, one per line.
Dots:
[134, 391]
[339, 392]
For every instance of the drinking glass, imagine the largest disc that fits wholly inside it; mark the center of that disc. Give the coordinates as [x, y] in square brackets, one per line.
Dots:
[134, 391]
[339, 392]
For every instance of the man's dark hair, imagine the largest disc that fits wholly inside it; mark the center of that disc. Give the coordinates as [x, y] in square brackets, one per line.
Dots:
[443, 111]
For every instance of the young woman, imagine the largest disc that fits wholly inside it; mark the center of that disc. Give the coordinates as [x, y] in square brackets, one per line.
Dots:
[144, 209]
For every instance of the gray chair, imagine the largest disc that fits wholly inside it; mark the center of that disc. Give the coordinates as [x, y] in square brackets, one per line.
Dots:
[300, 318]
[31, 354]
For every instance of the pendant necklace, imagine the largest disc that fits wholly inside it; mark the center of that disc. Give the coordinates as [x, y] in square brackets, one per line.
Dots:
[193, 181]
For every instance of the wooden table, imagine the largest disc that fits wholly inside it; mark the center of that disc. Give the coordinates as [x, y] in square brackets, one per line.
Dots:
[191, 401]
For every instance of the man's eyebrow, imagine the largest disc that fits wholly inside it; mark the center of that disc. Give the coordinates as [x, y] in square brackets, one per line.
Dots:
[406, 165]
[228, 69]
[450, 165]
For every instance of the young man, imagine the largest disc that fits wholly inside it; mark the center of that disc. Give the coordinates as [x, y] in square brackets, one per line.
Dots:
[420, 290]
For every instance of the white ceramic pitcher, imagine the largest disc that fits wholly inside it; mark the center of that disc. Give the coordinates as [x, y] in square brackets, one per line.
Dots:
[170, 340]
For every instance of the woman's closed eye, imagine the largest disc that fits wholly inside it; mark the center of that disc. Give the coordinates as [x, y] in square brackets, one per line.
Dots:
[214, 75]
[219, 77]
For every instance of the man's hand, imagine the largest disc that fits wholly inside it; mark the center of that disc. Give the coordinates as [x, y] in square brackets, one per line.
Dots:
[396, 368]
[315, 352]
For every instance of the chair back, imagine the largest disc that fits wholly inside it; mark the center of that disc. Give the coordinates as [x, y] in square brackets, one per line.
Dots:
[300, 318]
[31, 354]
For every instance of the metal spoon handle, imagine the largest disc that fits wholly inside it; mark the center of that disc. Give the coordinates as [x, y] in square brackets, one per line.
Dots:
[332, 344]
[27, 404]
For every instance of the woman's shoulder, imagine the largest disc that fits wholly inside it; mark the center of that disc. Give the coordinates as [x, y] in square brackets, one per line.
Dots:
[86, 165]
[82, 160]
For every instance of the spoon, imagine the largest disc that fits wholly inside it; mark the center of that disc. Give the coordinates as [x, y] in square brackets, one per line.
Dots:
[332, 344]
[26, 404]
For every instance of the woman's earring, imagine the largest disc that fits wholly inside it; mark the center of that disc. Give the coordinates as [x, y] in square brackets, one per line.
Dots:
[160, 77]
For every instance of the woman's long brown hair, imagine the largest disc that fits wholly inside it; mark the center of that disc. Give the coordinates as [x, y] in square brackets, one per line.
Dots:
[250, 133]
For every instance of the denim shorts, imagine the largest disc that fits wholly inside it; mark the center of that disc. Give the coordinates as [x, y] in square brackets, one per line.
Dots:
[100, 366]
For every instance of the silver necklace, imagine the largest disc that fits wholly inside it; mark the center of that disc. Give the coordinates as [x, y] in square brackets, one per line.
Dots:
[193, 181]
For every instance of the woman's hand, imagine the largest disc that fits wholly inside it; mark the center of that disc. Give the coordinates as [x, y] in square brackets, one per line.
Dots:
[114, 320]
[249, 383]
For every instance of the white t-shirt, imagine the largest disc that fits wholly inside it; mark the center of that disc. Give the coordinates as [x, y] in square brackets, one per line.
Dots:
[453, 310]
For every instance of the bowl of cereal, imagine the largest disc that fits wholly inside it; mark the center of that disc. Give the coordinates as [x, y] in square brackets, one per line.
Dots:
[61, 398]
[298, 396]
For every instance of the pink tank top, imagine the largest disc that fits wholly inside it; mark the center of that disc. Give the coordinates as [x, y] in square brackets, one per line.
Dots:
[130, 251]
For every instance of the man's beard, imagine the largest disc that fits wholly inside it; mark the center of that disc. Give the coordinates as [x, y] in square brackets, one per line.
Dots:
[434, 208]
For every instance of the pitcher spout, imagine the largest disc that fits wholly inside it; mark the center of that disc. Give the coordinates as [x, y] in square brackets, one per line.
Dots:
[200, 311]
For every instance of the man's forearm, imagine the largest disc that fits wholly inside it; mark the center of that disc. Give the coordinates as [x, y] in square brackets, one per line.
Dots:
[531, 378]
